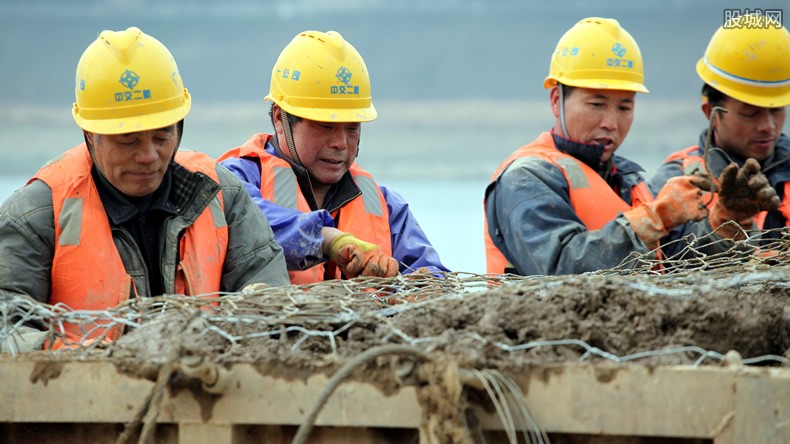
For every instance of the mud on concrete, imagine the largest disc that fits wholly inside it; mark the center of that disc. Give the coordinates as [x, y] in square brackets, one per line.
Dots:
[510, 327]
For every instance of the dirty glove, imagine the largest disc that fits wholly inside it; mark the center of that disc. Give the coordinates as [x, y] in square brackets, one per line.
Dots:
[23, 339]
[743, 192]
[679, 201]
[254, 288]
[356, 257]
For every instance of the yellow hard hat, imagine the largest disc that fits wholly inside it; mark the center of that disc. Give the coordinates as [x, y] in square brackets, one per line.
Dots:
[750, 64]
[319, 76]
[597, 53]
[128, 81]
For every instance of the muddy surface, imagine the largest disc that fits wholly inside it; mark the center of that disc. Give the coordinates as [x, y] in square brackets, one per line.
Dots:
[653, 320]
[689, 319]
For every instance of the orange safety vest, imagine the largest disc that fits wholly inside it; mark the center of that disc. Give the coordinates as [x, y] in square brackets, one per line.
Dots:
[87, 270]
[366, 216]
[592, 198]
[694, 163]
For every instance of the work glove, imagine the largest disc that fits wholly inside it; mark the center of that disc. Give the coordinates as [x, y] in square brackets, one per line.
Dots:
[679, 201]
[254, 288]
[356, 257]
[743, 192]
[23, 339]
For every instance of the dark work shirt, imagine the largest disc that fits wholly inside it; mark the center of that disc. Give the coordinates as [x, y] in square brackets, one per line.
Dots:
[142, 217]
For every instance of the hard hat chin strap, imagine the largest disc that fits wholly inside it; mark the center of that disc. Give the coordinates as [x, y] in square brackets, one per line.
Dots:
[563, 127]
[289, 139]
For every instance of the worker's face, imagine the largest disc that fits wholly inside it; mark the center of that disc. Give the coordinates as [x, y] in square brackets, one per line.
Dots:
[326, 149]
[596, 116]
[747, 130]
[135, 163]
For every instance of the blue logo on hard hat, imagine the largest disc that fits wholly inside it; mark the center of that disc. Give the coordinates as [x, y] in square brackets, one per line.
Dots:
[618, 49]
[344, 75]
[129, 79]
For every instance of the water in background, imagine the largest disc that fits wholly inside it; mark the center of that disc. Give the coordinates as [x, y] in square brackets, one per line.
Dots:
[451, 215]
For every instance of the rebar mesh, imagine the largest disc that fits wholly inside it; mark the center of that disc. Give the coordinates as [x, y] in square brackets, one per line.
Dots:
[489, 316]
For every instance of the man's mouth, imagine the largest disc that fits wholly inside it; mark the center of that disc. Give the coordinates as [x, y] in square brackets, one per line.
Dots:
[607, 142]
[764, 142]
[144, 174]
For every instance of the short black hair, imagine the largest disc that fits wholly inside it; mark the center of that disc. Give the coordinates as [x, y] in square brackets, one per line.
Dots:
[713, 95]
[567, 90]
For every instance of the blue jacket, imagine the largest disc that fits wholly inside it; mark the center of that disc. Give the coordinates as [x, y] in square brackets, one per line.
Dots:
[532, 222]
[300, 233]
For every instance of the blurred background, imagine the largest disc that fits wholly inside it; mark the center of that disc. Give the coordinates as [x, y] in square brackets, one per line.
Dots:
[458, 83]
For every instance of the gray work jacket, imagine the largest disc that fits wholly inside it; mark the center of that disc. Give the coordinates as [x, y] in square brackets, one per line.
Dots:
[27, 237]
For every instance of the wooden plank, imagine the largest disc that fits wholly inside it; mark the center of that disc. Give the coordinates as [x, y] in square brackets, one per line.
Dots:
[632, 400]
[726, 404]
[68, 392]
[762, 413]
[252, 398]
[189, 433]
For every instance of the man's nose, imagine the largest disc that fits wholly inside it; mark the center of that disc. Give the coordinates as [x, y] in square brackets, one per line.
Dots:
[146, 152]
[339, 138]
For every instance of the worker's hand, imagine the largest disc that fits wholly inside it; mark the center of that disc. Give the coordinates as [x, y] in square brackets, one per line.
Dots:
[23, 339]
[356, 257]
[678, 202]
[743, 192]
[60, 344]
[254, 288]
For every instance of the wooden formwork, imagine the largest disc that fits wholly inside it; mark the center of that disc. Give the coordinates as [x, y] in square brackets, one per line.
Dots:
[79, 401]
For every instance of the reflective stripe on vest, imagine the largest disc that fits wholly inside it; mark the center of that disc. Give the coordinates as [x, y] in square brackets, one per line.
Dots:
[366, 216]
[87, 270]
[593, 200]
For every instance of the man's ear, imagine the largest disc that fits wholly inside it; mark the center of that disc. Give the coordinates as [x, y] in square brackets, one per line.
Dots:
[554, 97]
[706, 109]
[89, 137]
[277, 120]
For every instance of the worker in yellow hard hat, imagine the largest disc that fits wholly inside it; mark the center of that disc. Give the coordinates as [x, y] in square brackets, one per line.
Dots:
[124, 215]
[333, 218]
[565, 203]
[746, 75]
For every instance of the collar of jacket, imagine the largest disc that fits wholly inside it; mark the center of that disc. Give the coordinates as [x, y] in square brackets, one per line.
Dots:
[590, 155]
[120, 209]
[339, 193]
[777, 164]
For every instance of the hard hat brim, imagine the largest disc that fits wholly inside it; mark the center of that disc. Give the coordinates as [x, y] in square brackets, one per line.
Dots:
[134, 123]
[364, 114]
[619, 85]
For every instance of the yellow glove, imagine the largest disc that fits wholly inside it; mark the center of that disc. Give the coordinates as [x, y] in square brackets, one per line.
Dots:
[356, 257]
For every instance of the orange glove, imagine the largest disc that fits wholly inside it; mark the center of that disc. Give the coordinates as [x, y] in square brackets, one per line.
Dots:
[356, 257]
[743, 193]
[679, 201]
